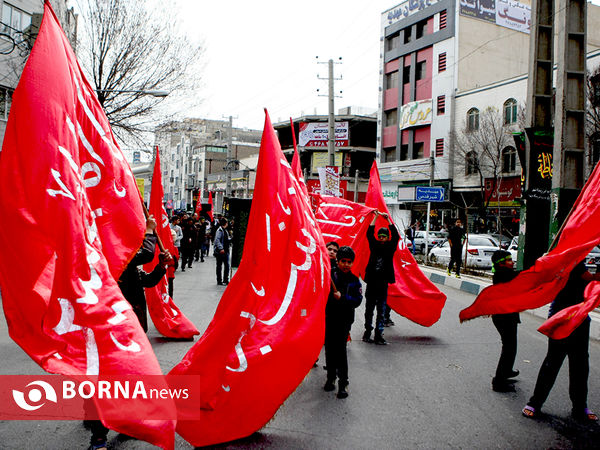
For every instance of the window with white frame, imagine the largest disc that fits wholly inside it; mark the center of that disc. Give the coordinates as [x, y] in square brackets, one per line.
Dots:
[5, 101]
[509, 159]
[471, 163]
[473, 119]
[510, 111]
[14, 20]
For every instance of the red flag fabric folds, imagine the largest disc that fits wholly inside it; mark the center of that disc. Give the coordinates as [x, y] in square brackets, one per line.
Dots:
[210, 210]
[346, 223]
[269, 326]
[413, 295]
[166, 316]
[296, 167]
[564, 322]
[540, 284]
[72, 218]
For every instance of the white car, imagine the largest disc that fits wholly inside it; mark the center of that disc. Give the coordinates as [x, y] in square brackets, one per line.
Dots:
[478, 249]
[435, 237]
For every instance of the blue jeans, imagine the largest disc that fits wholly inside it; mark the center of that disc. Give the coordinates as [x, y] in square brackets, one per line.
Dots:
[376, 298]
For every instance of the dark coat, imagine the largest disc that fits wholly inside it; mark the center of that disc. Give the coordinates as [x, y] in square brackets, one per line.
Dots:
[341, 310]
[380, 267]
[504, 275]
[133, 280]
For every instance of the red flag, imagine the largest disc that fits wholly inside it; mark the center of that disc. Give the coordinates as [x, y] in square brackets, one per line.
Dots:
[564, 322]
[413, 295]
[346, 223]
[66, 188]
[540, 284]
[269, 326]
[166, 316]
[210, 210]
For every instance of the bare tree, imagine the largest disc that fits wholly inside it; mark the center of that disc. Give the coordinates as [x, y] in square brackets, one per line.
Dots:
[479, 149]
[592, 123]
[128, 45]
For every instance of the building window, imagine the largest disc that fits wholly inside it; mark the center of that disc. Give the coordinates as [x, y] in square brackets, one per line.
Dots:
[391, 118]
[14, 20]
[391, 80]
[441, 105]
[407, 35]
[5, 102]
[421, 28]
[510, 111]
[439, 147]
[473, 119]
[404, 152]
[421, 70]
[443, 19]
[389, 154]
[418, 150]
[471, 163]
[509, 159]
[393, 42]
[406, 75]
[442, 62]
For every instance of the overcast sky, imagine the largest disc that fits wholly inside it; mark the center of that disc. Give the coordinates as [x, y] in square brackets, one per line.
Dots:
[262, 54]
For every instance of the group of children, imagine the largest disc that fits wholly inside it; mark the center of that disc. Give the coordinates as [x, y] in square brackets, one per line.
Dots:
[346, 295]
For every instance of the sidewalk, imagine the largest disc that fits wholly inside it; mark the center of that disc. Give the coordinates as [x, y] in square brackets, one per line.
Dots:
[474, 285]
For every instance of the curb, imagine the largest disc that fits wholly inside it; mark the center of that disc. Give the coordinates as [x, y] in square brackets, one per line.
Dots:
[474, 285]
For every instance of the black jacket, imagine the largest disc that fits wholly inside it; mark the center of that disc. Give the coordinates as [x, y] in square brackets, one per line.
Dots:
[381, 261]
[342, 310]
[504, 275]
[133, 280]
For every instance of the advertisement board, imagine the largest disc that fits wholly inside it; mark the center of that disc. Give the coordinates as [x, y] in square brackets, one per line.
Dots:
[415, 114]
[515, 15]
[321, 159]
[316, 134]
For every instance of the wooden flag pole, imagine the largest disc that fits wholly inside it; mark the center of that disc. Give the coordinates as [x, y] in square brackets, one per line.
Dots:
[161, 247]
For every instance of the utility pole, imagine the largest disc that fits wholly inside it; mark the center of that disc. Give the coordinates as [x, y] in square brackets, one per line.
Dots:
[229, 158]
[431, 175]
[331, 118]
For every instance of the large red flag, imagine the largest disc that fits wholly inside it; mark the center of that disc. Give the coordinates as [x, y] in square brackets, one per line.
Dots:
[67, 191]
[269, 326]
[346, 223]
[166, 316]
[564, 322]
[540, 284]
[210, 210]
[413, 295]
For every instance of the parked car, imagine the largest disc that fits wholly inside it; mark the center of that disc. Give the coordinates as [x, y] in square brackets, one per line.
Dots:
[478, 249]
[502, 239]
[592, 260]
[435, 237]
[513, 248]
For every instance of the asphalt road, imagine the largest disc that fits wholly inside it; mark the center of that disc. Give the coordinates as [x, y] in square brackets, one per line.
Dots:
[430, 388]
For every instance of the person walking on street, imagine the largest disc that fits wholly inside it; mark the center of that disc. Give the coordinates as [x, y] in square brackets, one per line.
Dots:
[344, 297]
[456, 239]
[379, 274]
[178, 234]
[506, 324]
[188, 243]
[221, 252]
[575, 346]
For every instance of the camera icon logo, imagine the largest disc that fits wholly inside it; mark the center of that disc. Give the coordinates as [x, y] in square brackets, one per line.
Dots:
[35, 396]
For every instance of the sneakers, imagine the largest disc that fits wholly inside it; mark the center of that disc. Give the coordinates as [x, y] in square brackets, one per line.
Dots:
[329, 386]
[449, 273]
[379, 340]
[388, 323]
[342, 390]
[503, 387]
[367, 337]
[513, 373]
[457, 275]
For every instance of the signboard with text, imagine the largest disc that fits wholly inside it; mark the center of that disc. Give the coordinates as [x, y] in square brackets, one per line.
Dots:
[316, 134]
[515, 15]
[415, 114]
[429, 194]
[321, 159]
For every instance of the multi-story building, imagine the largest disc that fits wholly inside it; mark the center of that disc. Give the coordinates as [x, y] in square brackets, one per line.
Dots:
[192, 150]
[20, 22]
[443, 63]
[355, 143]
